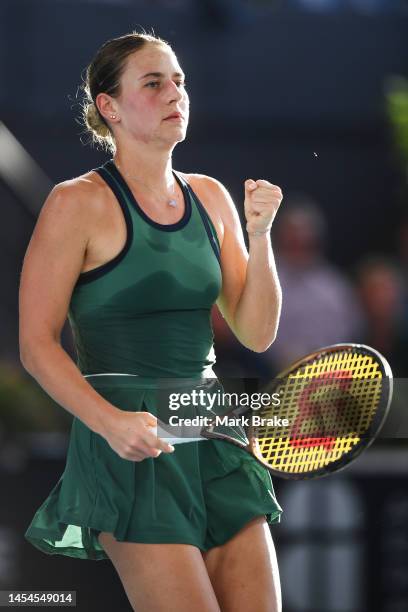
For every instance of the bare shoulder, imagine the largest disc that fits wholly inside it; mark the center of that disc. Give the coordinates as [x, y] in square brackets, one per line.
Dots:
[73, 193]
[217, 198]
[76, 204]
[210, 185]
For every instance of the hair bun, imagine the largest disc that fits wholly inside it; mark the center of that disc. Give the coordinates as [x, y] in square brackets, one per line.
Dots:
[95, 121]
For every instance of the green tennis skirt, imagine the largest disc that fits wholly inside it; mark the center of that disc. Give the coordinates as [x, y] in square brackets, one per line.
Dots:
[201, 494]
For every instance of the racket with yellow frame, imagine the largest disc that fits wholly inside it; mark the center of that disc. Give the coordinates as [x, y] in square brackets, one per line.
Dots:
[333, 403]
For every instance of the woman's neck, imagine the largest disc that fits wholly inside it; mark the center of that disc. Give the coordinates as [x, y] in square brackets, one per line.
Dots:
[152, 167]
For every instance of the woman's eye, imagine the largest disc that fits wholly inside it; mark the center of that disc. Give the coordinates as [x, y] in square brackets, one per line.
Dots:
[152, 84]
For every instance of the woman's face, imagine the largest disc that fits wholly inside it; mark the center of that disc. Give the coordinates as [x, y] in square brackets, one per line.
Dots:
[152, 88]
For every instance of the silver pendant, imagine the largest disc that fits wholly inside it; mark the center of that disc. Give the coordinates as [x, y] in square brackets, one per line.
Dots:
[172, 202]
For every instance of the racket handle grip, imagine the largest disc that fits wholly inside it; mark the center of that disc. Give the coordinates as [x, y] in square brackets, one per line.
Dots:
[182, 440]
[161, 433]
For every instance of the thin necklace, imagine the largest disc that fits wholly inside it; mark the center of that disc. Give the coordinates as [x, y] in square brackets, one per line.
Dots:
[170, 201]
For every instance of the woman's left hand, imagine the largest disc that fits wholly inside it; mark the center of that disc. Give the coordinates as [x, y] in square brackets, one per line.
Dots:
[262, 200]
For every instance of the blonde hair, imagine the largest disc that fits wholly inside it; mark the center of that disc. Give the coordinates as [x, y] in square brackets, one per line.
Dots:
[103, 76]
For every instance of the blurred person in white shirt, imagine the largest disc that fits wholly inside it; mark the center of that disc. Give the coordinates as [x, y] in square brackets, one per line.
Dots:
[319, 304]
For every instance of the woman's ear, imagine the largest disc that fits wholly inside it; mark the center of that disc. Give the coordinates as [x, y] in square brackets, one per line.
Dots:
[107, 107]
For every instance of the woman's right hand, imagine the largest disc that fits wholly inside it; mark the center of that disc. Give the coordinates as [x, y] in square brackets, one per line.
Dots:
[131, 435]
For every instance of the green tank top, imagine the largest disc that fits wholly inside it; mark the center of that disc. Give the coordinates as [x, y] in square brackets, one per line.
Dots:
[148, 310]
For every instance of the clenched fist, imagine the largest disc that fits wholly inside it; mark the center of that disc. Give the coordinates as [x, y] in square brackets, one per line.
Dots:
[133, 435]
[262, 200]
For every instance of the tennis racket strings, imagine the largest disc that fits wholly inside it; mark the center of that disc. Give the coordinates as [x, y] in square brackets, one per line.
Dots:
[331, 401]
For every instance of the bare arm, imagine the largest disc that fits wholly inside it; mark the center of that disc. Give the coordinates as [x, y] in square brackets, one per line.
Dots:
[51, 266]
[258, 310]
[250, 299]
[52, 263]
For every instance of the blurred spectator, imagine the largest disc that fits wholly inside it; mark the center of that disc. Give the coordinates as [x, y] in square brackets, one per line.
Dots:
[319, 304]
[381, 292]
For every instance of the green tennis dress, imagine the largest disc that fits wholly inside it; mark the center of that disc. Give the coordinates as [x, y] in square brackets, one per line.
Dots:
[142, 327]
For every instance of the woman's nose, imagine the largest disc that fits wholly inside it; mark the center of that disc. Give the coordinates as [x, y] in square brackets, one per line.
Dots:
[174, 91]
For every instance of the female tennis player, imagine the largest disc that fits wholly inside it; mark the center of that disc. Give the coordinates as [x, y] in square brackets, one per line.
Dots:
[136, 254]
